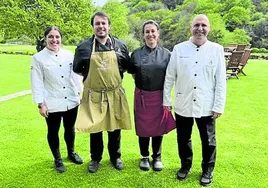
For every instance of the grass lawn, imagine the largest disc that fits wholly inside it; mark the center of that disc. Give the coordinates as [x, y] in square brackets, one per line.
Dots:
[15, 69]
[14, 73]
[242, 154]
[25, 48]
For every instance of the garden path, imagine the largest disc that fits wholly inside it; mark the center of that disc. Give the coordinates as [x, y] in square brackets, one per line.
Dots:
[15, 95]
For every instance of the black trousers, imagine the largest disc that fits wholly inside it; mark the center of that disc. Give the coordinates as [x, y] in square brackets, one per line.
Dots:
[96, 145]
[206, 127]
[53, 124]
[156, 146]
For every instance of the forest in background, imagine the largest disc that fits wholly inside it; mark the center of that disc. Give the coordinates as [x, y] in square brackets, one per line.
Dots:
[232, 21]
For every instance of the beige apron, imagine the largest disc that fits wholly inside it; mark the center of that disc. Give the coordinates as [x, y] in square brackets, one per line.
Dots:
[104, 104]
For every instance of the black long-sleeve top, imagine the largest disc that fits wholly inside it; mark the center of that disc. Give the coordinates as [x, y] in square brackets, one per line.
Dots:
[83, 51]
[149, 66]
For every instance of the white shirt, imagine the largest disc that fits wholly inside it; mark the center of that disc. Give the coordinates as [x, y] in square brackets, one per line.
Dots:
[199, 75]
[53, 80]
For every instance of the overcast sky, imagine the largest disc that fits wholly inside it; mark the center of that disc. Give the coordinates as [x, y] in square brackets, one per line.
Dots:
[99, 2]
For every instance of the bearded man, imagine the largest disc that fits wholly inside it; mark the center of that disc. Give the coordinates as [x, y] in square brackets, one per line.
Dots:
[101, 60]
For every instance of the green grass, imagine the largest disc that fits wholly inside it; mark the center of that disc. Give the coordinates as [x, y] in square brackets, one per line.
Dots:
[14, 73]
[25, 48]
[242, 154]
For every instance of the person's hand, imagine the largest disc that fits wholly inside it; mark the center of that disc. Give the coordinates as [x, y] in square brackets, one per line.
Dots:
[43, 111]
[167, 108]
[216, 115]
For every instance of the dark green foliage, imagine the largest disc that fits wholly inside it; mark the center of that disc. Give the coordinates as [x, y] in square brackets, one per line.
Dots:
[241, 21]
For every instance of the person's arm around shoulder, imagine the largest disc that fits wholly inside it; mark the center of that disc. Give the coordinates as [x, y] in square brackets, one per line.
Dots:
[220, 88]
[124, 57]
[131, 66]
[171, 75]
[82, 57]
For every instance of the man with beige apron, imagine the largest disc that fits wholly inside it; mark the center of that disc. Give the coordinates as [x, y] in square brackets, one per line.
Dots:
[101, 60]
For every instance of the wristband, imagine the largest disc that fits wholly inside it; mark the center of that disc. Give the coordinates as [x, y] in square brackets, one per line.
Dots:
[40, 105]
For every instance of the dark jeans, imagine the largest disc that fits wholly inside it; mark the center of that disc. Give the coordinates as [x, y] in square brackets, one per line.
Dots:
[96, 145]
[53, 124]
[206, 127]
[156, 146]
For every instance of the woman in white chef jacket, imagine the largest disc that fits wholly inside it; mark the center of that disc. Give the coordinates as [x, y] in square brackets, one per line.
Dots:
[56, 88]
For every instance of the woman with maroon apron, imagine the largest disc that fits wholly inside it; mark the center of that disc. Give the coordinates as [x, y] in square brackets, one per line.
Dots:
[148, 66]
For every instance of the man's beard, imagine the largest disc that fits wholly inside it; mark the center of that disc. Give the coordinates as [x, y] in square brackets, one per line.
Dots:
[101, 36]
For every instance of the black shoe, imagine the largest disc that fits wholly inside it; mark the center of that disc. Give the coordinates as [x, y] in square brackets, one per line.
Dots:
[206, 178]
[157, 164]
[118, 164]
[59, 166]
[145, 164]
[75, 158]
[93, 166]
[182, 173]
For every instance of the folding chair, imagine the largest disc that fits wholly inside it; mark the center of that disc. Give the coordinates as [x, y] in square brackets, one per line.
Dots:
[241, 47]
[232, 66]
[244, 61]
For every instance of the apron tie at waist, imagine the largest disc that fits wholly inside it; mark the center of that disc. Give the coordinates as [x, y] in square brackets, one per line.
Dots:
[103, 93]
[139, 92]
[104, 89]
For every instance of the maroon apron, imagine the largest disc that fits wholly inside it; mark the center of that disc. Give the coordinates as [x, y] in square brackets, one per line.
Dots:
[149, 114]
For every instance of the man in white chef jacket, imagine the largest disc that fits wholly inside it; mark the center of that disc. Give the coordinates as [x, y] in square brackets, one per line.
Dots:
[197, 68]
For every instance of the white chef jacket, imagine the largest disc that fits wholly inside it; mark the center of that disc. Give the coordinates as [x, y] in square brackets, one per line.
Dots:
[53, 80]
[199, 75]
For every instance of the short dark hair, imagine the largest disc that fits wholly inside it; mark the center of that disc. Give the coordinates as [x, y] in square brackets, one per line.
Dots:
[150, 22]
[101, 14]
[48, 29]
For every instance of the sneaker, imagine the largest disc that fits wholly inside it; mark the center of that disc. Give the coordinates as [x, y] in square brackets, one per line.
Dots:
[93, 166]
[157, 165]
[206, 178]
[74, 157]
[118, 164]
[59, 166]
[145, 164]
[183, 173]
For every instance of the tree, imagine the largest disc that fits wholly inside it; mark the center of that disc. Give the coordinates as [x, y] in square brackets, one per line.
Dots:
[118, 13]
[237, 17]
[206, 7]
[75, 15]
[259, 33]
[31, 17]
[171, 4]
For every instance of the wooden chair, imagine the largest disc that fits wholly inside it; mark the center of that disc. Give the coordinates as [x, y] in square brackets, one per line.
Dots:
[230, 47]
[241, 47]
[248, 46]
[232, 66]
[244, 61]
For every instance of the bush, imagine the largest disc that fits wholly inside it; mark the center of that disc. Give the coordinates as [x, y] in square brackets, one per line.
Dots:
[259, 50]
[22, 39]
[131, 42]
